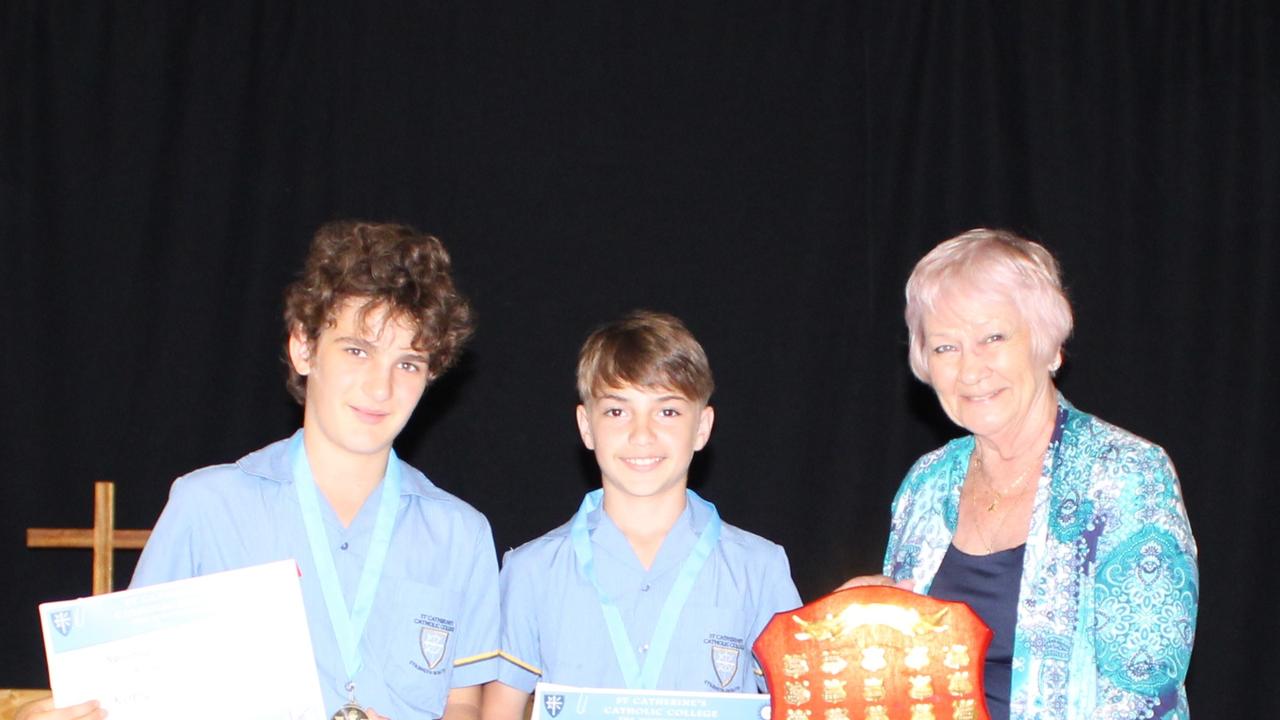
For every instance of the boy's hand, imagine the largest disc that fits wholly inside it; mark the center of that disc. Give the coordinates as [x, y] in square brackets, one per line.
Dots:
[44, 710]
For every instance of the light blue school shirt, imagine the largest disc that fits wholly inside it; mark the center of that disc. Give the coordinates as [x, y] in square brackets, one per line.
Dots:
[553, 628]
[434, 622]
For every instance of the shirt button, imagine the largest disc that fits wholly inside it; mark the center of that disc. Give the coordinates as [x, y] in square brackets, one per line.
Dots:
[644, 647]
[343, 546]
[644, 587]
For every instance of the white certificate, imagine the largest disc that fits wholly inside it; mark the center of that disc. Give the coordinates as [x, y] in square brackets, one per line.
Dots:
[565, 702]
[228, 645]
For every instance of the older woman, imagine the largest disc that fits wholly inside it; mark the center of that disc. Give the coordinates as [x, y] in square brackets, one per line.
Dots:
[1067, 535]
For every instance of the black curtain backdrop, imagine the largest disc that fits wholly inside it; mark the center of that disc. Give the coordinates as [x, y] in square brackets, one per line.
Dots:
[768, 171]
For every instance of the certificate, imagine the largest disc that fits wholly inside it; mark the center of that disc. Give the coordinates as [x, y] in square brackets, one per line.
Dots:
[565, 702]
[229, 645]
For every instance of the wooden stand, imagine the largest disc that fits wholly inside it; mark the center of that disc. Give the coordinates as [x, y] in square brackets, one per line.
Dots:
[102, 537]
[12, 699]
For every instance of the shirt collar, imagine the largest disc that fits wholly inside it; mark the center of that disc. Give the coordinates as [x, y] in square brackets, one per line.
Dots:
[272, 463]
[676, 546]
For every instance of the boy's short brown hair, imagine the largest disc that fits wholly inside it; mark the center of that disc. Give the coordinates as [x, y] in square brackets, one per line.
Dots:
[388, 265]
[644, 349]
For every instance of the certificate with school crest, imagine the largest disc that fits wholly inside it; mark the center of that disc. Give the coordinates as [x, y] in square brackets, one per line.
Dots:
[565, 702]
[227, 645]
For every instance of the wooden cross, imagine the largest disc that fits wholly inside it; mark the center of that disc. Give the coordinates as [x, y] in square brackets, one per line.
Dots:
[102, 537]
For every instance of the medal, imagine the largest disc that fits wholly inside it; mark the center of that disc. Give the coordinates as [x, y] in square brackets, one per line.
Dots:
[351, 710]
[348, 627]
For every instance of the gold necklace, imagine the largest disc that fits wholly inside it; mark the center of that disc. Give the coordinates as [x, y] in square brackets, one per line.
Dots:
[996, 495]
[978, 527]
[977, 524]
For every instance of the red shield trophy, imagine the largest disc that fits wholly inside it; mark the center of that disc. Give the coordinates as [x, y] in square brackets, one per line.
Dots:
[875, 653]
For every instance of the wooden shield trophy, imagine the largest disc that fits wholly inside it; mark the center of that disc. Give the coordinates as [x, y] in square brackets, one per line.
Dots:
[876, 653]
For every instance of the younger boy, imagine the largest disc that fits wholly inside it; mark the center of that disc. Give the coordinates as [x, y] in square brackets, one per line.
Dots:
[645, 587]
[372, 321]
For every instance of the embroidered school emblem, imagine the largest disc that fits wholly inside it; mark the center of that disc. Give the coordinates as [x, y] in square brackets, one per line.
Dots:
[553, 703]
[725, 661]
[433, 642]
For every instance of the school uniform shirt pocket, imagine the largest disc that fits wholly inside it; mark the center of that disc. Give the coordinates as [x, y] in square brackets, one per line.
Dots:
[574, 647]
[421, 645]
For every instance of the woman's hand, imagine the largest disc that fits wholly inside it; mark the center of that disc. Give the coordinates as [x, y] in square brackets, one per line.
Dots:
[44, 710]
[885, 580]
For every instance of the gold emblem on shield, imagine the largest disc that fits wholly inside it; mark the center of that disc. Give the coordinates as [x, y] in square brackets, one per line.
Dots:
[833, 690]
[833, 663]
[922, 711]
[958, 683]
[957, 656]
[917, 658]
[798, 693]
[873, 659]
[794, 666]
[921, 687]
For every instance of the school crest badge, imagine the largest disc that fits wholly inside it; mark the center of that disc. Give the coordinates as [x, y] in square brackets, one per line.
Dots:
[433, 642]
[876, 652]
[553, 704]
[61, 620]
[725, 661]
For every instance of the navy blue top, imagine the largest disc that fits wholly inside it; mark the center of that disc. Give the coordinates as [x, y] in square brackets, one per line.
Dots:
[989, 585]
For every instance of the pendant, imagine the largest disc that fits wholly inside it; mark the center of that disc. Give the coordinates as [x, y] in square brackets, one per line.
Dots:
[351, 710]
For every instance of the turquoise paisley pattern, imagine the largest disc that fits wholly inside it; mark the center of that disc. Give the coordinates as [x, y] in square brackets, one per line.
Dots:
[1107, 605]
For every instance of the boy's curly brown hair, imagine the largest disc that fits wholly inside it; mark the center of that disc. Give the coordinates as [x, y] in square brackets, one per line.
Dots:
[385, 265]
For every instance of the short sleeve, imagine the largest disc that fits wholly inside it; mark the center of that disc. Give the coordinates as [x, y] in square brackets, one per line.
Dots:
[475, 659]
[171, 550]
[521, 662]
[778, 594]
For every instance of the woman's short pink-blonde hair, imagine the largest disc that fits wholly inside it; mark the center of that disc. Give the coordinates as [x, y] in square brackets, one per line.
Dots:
[994, 264]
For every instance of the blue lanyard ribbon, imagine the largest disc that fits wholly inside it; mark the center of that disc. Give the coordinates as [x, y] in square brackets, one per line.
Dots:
[348, 628]
[636, 677]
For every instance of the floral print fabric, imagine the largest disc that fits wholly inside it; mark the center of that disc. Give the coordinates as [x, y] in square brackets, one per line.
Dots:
[1107, 604]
